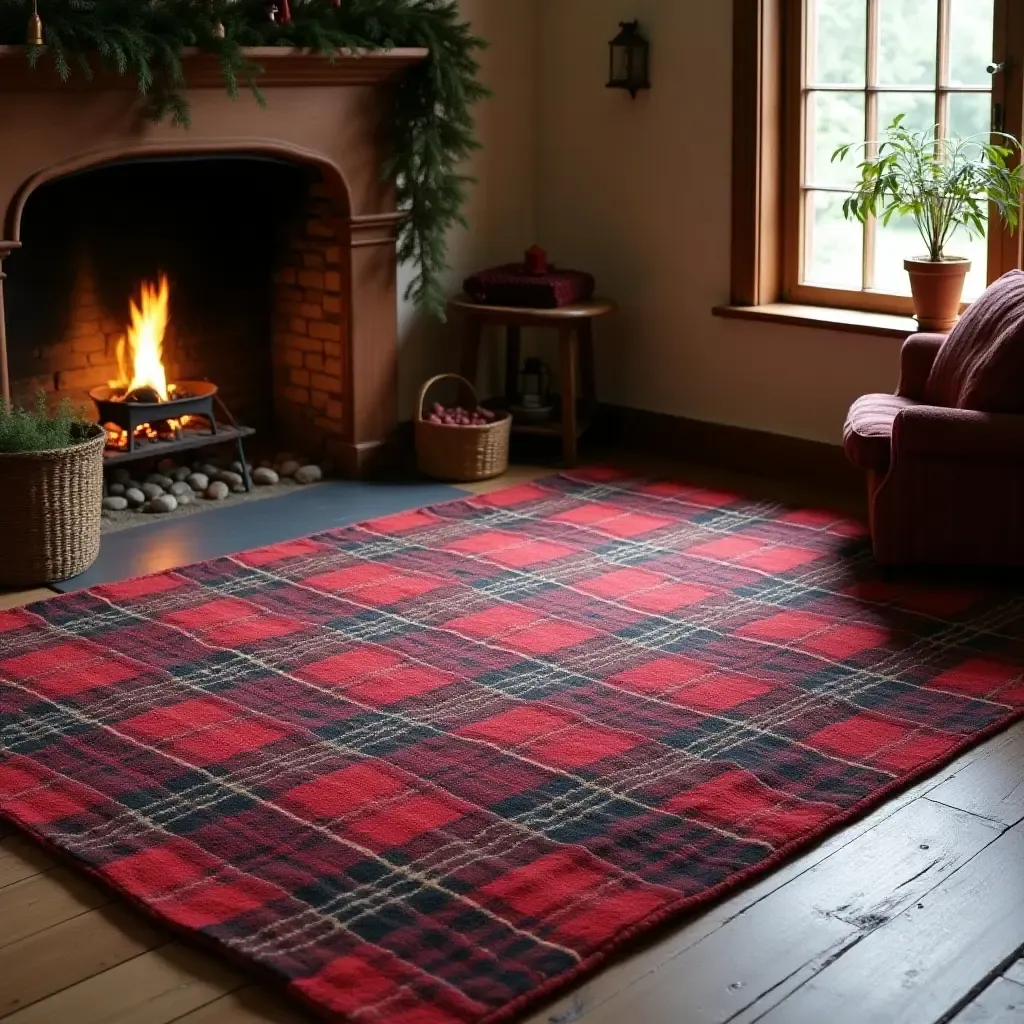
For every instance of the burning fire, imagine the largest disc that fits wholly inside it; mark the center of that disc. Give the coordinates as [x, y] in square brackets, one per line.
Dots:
[140, 362]
[140, 352]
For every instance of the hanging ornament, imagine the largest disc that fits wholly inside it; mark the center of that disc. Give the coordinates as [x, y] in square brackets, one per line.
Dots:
[218, 26]
[34, 36]
[279, 13]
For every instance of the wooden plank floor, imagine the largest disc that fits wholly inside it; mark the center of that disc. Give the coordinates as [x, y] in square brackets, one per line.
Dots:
[912, 915]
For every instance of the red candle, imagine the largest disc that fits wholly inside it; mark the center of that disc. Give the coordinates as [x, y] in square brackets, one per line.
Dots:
[536, 260]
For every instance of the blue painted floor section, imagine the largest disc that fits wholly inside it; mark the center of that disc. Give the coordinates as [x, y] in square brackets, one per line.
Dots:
[170, 543]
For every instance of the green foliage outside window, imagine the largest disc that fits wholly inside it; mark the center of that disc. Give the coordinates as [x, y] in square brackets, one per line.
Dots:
[906, 80]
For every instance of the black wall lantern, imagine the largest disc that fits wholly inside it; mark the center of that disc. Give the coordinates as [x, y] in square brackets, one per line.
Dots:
[630, 59]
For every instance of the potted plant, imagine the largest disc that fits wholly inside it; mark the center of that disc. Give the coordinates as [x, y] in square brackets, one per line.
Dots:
[51, 477]
[943, 184]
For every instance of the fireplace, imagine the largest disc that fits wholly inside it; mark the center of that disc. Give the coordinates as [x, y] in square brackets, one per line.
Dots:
[272, 229]
[165, 294]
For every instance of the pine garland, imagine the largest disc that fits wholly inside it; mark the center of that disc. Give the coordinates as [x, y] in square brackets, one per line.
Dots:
[433, 131]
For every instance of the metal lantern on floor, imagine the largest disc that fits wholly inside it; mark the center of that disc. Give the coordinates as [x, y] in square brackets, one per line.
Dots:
[630, 59]
[534, 383]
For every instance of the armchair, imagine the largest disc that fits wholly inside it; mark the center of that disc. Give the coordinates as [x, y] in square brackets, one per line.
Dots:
[945, 484]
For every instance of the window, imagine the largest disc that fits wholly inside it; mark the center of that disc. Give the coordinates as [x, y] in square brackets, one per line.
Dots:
[813, 74]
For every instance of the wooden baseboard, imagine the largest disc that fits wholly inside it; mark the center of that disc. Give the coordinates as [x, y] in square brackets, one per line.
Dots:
[775, 457]
[736, 449]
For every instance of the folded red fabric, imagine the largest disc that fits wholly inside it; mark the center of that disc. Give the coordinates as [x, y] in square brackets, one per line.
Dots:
[513, 285]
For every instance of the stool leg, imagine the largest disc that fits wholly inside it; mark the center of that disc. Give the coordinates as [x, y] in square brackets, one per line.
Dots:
[567, 345]
[472, 333]
[512, 349]
[587, 371]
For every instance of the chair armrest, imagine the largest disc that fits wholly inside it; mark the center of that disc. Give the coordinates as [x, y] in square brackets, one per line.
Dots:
[931, 430]
[916, 358]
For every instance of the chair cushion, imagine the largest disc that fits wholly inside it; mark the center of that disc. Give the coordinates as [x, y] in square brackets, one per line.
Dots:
[867, 435]
[981, 364]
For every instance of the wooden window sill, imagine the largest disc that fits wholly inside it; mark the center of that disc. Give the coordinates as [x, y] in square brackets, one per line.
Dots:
[824, 318]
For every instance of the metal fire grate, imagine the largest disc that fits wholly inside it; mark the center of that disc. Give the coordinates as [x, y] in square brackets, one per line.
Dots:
[199, 401]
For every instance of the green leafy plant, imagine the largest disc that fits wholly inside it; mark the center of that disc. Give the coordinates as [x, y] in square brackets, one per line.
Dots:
[942, 183]
[432, 131]
[39, 430]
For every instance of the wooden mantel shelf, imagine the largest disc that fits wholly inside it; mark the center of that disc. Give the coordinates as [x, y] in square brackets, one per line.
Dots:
[280, 66]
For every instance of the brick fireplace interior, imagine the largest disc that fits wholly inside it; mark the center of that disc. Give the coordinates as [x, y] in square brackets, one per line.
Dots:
[255, 278]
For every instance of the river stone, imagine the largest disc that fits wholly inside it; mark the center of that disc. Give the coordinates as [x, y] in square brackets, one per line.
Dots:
[116, 490]
[181, 473]
[163, 482]
[230, 478]
[185, 498]
[309, 475]
[289, 468]
[152, 490]
[198, 482]
[236, 467]
[121, 475]
[115, 504]
[217, 491]
[264, 476]
[180, 487]
[165, 503]
[135, 497]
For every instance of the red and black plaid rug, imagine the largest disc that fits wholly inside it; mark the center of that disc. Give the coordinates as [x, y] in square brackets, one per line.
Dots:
[428, 769]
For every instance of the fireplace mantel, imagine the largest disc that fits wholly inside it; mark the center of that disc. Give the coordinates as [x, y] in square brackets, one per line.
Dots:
[328, 115]
[280, 66]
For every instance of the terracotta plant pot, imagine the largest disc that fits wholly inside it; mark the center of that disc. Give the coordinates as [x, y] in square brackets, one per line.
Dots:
[937, 288]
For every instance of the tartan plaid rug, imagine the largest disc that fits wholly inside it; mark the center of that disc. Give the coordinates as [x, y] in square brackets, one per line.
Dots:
[430, 768]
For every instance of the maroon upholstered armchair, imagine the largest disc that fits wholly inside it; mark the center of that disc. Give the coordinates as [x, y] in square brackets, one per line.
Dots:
[944, 456]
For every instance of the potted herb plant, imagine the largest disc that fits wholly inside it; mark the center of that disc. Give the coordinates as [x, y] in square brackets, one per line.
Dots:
[943, 184]
[51, 477]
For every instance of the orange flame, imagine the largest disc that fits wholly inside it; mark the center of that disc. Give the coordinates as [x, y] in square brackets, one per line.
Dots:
[140, 353]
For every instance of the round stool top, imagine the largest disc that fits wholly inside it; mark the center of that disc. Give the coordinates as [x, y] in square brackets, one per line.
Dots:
[577, 311]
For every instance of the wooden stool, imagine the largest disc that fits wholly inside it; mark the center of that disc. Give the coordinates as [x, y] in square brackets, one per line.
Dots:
[576, 349]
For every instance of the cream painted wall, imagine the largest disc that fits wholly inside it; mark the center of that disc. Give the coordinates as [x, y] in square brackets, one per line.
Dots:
[502, 209]
[639, 192]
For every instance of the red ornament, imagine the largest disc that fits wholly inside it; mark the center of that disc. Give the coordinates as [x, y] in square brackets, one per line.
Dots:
[536, 260]
[286, 13]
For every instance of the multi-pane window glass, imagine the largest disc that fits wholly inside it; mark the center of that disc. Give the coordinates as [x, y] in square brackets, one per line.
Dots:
[866, 62]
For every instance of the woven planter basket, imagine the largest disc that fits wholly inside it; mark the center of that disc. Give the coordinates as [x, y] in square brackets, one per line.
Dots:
[460, 454]
[51, 512]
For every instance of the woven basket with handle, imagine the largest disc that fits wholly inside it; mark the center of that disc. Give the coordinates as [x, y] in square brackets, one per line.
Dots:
[461, 454]
[50, 513]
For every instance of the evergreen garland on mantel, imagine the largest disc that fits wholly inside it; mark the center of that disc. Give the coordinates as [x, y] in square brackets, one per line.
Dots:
[434, 128]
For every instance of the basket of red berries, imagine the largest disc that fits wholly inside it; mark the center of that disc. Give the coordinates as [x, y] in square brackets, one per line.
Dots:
[459, 443]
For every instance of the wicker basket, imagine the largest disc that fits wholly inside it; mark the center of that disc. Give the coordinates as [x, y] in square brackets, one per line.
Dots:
[50, 513]
[461, 454]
